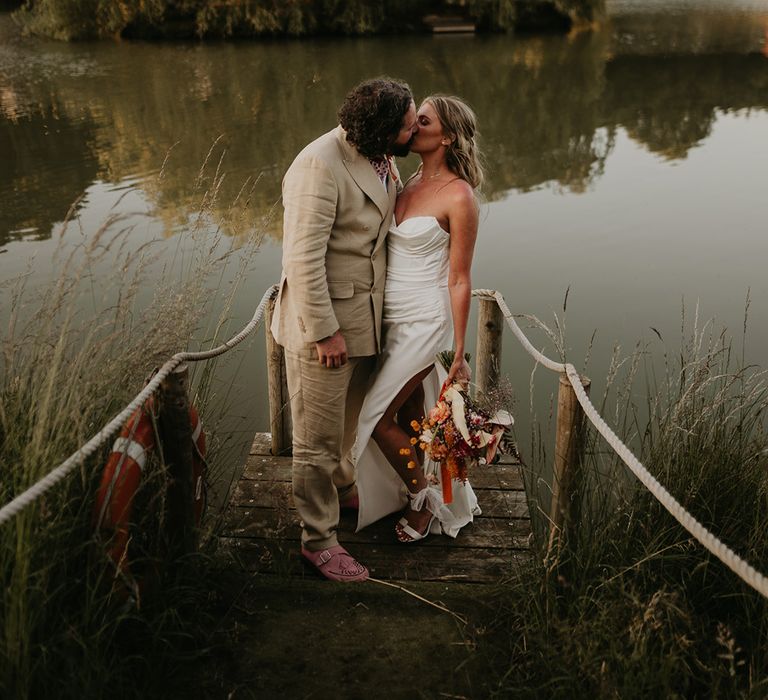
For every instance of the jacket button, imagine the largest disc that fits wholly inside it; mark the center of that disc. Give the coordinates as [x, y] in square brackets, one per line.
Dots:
[373, 289]
[373, 257]
[366, 228]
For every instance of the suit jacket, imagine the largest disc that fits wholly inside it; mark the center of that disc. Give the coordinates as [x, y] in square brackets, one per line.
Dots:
[337, 214]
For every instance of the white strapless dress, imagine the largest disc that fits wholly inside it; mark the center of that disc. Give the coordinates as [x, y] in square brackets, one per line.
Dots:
[416, 325]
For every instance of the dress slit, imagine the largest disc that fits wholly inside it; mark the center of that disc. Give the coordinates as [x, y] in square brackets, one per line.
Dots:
[416, 327]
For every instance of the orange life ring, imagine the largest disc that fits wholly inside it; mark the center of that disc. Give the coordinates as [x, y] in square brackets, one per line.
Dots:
[120, 480]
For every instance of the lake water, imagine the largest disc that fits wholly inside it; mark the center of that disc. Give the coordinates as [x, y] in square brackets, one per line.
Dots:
[627, 167]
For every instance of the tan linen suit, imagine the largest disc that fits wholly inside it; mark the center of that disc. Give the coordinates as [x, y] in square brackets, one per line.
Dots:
[337, 214]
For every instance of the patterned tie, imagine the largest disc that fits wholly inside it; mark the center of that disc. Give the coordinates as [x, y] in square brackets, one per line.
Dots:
[381, 166]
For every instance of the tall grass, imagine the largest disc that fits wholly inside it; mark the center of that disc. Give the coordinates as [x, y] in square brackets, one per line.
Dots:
[632, 606]
[75, 352]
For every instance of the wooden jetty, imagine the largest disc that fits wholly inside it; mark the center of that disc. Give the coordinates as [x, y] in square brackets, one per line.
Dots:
[262, 528]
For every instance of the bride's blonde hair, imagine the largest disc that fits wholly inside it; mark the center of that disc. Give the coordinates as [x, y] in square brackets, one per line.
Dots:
[460, 125]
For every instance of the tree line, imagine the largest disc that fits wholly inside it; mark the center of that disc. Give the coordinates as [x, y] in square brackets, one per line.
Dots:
[72, 20]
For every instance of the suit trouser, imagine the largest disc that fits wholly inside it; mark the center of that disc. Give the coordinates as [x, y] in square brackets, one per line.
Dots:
[325, 406]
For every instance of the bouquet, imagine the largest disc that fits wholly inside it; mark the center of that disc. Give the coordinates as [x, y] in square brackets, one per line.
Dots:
[457, 433]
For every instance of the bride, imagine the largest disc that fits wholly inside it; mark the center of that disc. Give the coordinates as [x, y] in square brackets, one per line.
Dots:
[426, 305]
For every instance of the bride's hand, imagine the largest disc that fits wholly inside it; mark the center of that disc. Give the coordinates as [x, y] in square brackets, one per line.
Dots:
[459, 371]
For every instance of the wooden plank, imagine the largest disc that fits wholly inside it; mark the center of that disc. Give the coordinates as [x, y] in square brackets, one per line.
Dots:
[266, 523]
[494, 503]
[394, 562]
[262, 530]
[262, 444]
[263, 468]
[500, 476]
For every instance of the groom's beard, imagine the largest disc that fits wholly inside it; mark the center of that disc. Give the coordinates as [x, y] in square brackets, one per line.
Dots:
[400, 150]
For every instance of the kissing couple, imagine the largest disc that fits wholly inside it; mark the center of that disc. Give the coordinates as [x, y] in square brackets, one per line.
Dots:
[375, 282]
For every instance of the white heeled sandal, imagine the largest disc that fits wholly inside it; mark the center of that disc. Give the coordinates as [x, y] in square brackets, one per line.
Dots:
[428, 497]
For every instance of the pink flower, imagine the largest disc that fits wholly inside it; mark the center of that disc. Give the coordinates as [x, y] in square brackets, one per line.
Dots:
[439, 412]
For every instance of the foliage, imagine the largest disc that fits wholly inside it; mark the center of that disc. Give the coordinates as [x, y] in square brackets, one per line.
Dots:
[630, 605]
[490, 15]
[82, 19]
[293, 18]
[76, 351]
[582, 11]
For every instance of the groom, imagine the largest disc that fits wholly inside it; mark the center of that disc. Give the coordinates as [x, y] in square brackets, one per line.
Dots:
[339, 197]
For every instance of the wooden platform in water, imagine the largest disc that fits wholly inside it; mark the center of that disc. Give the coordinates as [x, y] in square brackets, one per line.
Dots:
[262, 528]
[448, 24]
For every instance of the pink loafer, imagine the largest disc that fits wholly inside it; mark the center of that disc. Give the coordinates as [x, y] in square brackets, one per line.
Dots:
[336, 564]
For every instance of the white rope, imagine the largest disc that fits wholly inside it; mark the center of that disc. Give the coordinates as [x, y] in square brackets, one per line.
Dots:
[21, 501]
[725, 554]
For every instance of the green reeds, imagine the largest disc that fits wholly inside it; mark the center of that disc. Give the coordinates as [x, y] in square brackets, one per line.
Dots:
[75, 352]
[632, 606]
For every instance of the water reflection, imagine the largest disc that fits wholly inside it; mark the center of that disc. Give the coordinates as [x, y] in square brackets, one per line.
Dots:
[669, 103]
[549, 108]
[48, 160]
[689, 26]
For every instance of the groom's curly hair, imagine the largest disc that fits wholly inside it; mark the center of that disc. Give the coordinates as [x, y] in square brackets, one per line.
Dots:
[372, 114]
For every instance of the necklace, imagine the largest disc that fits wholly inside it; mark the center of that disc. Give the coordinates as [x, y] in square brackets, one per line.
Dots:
[437, 173]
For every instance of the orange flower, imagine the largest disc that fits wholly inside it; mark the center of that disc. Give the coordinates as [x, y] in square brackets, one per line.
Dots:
[413, 441]
[405, 451]
[415, 424]
[411, 465]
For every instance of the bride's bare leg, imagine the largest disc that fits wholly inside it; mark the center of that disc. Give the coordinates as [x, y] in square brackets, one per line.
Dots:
[412, 410]
[395, 444]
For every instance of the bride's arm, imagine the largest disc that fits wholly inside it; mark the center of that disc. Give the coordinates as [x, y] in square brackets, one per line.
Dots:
[463, 218]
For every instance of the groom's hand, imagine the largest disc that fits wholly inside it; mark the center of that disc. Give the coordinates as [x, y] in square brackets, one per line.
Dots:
[332, 351]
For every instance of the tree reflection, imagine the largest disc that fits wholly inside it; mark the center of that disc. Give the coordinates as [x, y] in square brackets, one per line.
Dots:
[549, 111]
[47, 161]
[665, 104]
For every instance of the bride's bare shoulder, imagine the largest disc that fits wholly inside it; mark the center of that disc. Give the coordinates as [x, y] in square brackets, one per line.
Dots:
[461, 195]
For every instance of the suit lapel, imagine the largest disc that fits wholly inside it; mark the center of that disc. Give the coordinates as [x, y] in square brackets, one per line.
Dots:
[364, 175]
[391, 196]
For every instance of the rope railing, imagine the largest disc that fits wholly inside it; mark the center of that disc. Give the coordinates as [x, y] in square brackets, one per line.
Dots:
[725, 554]
[24, 499]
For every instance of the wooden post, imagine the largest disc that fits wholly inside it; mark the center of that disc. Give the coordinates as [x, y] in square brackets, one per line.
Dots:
[569, 446]
[490, 323]
[176, 440]
[280, 423]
